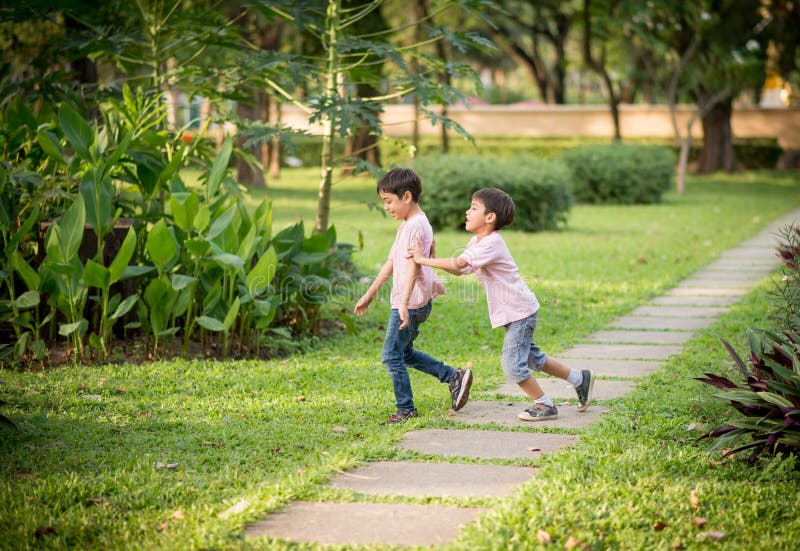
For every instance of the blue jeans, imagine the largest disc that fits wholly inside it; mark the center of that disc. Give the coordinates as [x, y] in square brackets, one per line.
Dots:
[398, 352]
[520, 353]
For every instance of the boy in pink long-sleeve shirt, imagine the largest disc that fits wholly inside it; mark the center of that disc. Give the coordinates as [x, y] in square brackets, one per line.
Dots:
[512, 304]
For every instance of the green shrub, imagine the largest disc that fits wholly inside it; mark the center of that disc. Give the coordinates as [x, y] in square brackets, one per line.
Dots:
[540, 188]
[620, 174]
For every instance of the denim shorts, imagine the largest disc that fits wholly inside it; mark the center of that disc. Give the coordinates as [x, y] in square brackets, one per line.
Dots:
[521, 355]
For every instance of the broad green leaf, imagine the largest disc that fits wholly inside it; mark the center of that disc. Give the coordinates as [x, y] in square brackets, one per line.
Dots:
[227, 260]
[219, 169]
[184, 209]
[210, 323]
[131, 272]
[317, 243]
[51, 145]
[124, 307]
[70, 229]
[262, 219]
[161, 245]
[98, 196]
[97, 275]
[28, 299]
[124, 255]
[309, 259]
[180, 282]
[221, 224]
[202, 218]
[230, 317]
[198, 247]
[263, 272]
[78, 132]
[66, 329]
[29, 277]
[23, 231]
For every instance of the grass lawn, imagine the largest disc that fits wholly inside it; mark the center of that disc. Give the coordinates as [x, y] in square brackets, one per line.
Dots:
[181, 454]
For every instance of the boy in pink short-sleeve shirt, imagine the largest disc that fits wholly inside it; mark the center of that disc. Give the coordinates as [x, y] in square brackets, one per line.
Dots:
[413, 288]
[512, 304]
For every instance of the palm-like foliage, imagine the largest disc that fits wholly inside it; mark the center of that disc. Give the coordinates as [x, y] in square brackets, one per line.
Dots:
[768, 399]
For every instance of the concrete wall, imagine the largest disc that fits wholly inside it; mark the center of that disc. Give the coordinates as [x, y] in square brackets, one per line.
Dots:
[582, 120]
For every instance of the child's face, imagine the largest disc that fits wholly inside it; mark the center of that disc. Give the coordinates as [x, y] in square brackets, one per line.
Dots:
[478, 220]
[398, 207]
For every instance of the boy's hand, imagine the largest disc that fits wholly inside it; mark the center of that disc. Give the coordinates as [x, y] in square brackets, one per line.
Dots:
[416, 250]
[403, 317]
[362, 305]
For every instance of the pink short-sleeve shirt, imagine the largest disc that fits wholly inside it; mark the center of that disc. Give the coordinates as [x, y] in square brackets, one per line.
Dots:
[427, 286]
[509, 298]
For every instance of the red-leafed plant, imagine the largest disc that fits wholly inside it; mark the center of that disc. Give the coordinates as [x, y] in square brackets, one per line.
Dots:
[769, 396]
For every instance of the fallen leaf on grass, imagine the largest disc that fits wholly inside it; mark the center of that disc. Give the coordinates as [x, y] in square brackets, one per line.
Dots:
[161, 465]
[97, 500]
[177, 514]
[339, 429]
[693, 500]
[161, 527]
[658, 526]
[42, 531]
[234, 509]
[699, 521]
[573, 542]
[543, 536]
[716, 536]
[25, 474]
[301, 398]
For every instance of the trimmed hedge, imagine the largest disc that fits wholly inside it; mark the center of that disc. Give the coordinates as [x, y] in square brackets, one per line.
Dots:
[540, 188]
[620, 174]
[751, 153]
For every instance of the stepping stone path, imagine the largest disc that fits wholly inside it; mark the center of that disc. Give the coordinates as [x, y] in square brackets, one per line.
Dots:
[632, 347]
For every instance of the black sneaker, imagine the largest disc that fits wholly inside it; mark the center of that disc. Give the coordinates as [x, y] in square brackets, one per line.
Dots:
[459, 388]
[539, 412]
[584, 391]
[401, 416]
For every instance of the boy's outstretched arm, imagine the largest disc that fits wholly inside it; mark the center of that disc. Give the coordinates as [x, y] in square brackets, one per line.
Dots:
[408, 286]
[450, 265]
[364, 302]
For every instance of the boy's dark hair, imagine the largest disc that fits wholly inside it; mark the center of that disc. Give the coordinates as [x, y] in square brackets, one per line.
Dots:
[499, 202]
[400, 180]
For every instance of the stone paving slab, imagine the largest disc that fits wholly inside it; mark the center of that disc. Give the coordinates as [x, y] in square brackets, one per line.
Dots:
[485, 444]
[641, 337]
[561, 390]
[680, 311]
[621, 351]
[750, 253]
[696, 301]
[365, 523]
[740, 282]
[616, 368]
[407, 478]
[662, 323]
[505, 414]
[708, 291]
[728, 277]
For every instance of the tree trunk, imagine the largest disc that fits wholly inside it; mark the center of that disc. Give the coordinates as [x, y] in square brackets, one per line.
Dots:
[275, 147]
[717, 153]
[332, 81]
[246, 172]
